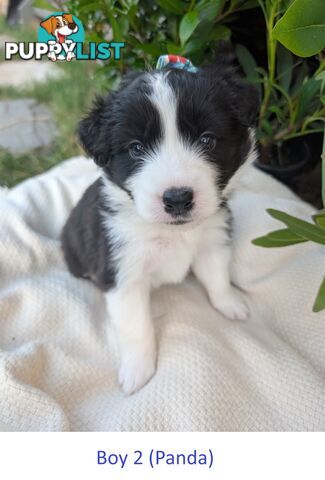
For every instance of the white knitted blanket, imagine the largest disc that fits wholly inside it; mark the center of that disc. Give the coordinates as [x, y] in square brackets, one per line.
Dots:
[57, 371]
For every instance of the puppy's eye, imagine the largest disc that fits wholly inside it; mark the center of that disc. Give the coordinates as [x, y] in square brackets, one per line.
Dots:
[208, 141]
[136, 149]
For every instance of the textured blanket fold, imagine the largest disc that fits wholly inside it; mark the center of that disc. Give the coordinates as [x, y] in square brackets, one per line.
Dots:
[58, 370]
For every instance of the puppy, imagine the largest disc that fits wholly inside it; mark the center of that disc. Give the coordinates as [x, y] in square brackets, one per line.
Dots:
[168, 142]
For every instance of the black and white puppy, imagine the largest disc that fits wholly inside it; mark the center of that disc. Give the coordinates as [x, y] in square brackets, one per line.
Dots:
[168, 142]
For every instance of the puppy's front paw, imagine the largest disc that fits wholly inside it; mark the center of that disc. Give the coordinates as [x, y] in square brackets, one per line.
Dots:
[135, 371]
[231, 305]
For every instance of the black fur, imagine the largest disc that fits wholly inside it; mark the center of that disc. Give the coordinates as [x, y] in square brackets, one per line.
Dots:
[214, 100]
[86, 246]
[114, 121]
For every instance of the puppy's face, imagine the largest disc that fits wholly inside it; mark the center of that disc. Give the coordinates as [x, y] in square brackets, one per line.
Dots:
[171, 140]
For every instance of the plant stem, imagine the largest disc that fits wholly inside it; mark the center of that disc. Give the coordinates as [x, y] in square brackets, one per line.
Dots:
[271, 53]
[320, 68]
[225, 14]
[302, 134]
[282, 134]
[323, 170]
[191, 5]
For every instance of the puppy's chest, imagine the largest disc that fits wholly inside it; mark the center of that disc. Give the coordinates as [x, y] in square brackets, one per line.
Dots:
[158, 257]
[170, 257]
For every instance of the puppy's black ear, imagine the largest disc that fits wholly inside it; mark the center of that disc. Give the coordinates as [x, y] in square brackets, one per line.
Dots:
[245, 104]
[94, 131]
[244, 99]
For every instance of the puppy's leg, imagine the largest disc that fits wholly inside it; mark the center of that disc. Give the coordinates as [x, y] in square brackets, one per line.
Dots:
[211, 267]
[129, 309]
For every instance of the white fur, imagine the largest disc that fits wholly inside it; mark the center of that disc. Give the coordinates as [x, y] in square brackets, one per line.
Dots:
[152, 252]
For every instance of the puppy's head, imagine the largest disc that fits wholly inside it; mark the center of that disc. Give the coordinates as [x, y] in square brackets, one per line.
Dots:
[170, 140]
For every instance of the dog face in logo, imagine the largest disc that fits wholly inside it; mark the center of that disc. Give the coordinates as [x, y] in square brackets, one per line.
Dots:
[60, 26]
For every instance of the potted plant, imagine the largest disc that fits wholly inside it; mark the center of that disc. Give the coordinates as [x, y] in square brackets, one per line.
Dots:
[300, 17]
[291, 110]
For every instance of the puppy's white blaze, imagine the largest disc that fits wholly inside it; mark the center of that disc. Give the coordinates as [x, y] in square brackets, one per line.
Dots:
[172, 163]
[164, 100]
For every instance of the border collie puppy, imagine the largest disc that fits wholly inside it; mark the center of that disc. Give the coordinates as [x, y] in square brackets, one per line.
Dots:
[168, 142]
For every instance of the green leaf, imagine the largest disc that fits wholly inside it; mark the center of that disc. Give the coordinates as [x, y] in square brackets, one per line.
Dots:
[278, 238]
[277, 111]
[220, 32]
[187, 26]
[284, 67]
[117, 34]
[302, 27]
[132, 11]
[249, 66]
[305, 229]
[208, 9]
[172, 29]
[173, 6]
[154, 48]
[267, 127]
[320, 76]
[298, 82]
[193, 45]
[173, 48]
[247, 5]
[319, 219]
[204, 35]
[320, 299]
[246, 60]
[308, 98]
[123, 25]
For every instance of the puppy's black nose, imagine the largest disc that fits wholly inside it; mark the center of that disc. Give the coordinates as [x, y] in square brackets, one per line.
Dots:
[72, 26]
[178, 201]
